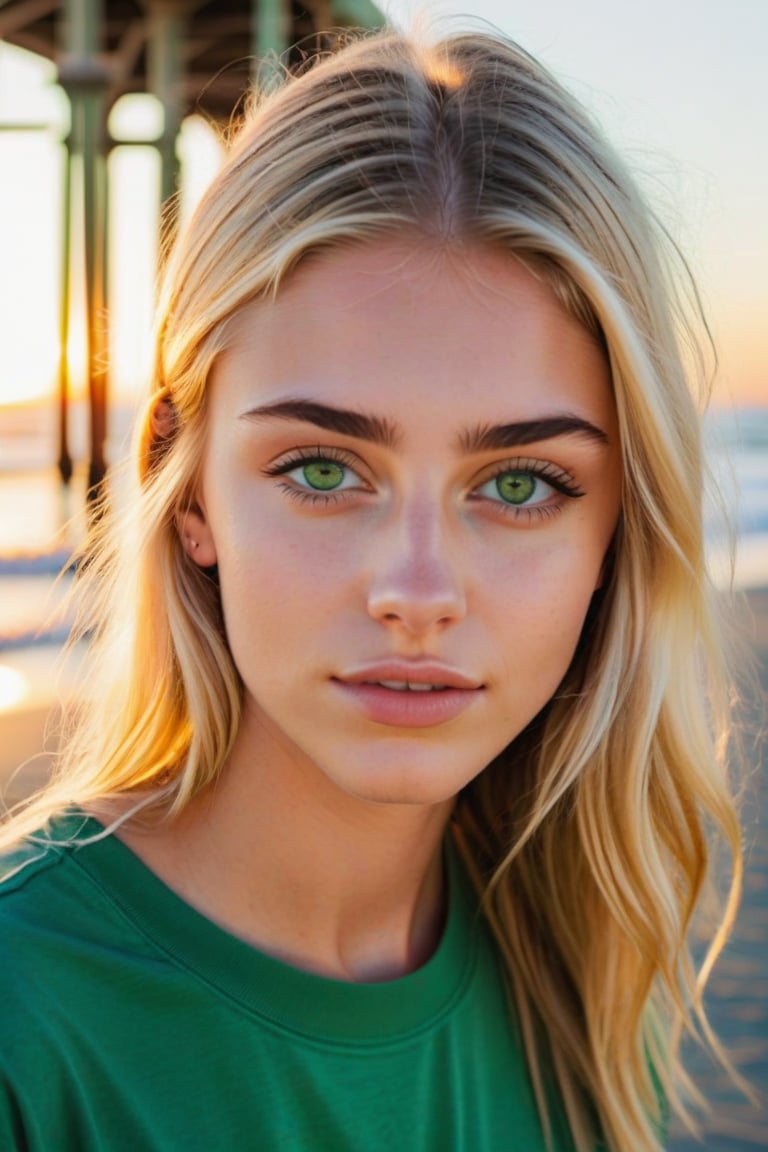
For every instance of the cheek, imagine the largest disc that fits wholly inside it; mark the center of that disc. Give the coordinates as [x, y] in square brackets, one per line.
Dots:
[541, 602]
[272, 577]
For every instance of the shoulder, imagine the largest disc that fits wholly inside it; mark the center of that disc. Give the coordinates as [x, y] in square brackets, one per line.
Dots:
[27, 872]
[35, 874]
[32, 915]
[36, 900]
[50, 910]
[62, 938]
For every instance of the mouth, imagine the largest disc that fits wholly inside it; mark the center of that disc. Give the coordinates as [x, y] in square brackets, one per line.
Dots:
[407, 686]
[411, 676]
[425, 698]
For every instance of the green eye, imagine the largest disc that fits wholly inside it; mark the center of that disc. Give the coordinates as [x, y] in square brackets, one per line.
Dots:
[323, 475]
[515, 487]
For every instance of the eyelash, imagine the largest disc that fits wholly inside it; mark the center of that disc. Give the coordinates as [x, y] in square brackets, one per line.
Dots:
[311, 456]
[556, 477]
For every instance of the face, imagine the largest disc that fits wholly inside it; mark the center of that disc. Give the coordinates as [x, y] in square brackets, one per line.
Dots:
[411, 479]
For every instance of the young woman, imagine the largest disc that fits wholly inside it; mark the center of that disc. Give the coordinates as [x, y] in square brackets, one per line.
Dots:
[390, 799]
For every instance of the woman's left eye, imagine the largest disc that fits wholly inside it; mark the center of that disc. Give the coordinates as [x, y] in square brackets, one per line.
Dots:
[517, 488]
[524, 486]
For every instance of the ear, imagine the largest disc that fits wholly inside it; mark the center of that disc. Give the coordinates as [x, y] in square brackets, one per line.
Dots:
[196, 536]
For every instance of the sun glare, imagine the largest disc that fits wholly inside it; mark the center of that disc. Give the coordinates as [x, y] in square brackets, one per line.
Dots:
[30, 360]
[13, 688]
[31, 233]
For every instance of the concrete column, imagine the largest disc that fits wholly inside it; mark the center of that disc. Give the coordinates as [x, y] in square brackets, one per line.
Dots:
[65, 459]
[95, 240]
[269, 40]
[85, 78]
[165, 35]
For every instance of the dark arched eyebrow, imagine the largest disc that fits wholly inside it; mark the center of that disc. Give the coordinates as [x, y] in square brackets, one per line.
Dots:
[377, 429]
[489, 437]
[380, 430]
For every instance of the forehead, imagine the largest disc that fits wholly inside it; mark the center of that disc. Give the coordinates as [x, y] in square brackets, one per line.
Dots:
[395, 325]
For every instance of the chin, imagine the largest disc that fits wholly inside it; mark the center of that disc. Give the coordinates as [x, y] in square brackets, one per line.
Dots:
[415, 786]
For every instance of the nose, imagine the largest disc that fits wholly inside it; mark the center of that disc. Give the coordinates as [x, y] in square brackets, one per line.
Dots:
[417, 585]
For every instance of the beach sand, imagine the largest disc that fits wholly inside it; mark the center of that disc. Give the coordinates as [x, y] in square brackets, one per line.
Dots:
[28, 731]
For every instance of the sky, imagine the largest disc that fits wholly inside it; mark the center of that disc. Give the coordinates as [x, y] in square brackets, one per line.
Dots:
[680, 86]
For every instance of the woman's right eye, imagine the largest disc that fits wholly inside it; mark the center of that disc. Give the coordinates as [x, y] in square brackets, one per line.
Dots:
[317, 473]
[324, 475]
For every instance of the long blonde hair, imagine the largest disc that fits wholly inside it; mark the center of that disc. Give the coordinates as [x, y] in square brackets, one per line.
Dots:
[589, 837]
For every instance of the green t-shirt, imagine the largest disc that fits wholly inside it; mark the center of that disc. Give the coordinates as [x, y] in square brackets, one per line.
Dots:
[128, 1021]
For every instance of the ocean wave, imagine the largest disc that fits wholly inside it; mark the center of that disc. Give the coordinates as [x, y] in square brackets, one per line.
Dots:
[56, 637]
[36, 563]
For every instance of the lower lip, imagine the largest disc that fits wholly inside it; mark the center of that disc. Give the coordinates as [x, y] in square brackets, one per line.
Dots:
[409, 709]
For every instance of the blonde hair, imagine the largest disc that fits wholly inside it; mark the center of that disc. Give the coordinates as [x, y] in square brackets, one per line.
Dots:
[589, 837]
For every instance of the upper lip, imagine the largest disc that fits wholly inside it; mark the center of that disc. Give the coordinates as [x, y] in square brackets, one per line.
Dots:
[423, 672]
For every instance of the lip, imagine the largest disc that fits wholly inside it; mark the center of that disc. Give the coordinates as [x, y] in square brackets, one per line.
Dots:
[412, 671]
[403, 709]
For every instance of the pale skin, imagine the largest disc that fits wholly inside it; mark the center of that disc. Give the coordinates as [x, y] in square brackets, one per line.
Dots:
[454, 537]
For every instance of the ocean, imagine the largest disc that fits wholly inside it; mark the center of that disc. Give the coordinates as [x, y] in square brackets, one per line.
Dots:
[40, 522]
[738, 442]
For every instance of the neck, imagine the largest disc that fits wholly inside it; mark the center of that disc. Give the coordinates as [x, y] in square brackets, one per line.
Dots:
[322, 880]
